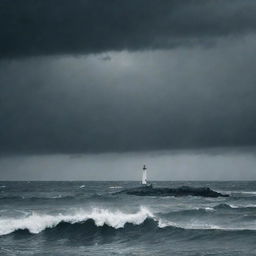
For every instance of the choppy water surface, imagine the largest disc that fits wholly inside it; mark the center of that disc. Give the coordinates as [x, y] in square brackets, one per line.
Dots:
[87, 218]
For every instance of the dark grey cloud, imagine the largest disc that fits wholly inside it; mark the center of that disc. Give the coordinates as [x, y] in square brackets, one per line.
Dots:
[50, 27]
[130, 85]
[182, 98]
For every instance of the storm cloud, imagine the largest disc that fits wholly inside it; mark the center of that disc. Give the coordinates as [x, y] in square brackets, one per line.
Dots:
[116, 76]
[187, 98]
[46, 27]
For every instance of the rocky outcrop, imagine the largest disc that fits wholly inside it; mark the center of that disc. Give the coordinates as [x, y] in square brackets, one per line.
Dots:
[179, 191]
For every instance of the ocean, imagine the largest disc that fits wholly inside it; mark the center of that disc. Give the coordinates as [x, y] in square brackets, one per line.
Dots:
[61, 218]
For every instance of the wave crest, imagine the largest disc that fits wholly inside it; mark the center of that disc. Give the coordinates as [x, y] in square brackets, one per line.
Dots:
[36, 223]
[85, 221]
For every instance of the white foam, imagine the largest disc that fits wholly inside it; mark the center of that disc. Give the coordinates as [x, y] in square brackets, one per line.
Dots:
[250, 206]
[36, 222]
[209, 209]
[248, 192]
[82, 186]
[116, 187]
[165, 223]
[253, 193]
[241, 206]
[55, 197]
[195, 225]
[234, 206]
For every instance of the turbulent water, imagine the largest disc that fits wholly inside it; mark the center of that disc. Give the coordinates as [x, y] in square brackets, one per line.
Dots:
[87, 218]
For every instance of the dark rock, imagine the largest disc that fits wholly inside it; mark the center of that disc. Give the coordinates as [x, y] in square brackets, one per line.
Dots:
[180, 191]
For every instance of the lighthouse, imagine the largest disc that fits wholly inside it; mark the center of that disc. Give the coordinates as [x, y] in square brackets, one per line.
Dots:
[144, 175]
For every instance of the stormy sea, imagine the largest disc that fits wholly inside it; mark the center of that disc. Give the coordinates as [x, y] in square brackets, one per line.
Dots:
[88, 218]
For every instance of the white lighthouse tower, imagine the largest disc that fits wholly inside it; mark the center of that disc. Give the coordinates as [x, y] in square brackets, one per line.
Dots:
[144, 175]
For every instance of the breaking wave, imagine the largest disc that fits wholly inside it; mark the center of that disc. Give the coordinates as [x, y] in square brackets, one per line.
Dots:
[36, 223]
[101, 219]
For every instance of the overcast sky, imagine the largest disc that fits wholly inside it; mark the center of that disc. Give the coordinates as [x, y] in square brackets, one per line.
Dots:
[111, 76]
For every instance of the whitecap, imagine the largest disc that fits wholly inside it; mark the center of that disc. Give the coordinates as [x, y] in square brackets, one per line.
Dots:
[209, 209]
[248, 192]
[36, 223]
[56, 197]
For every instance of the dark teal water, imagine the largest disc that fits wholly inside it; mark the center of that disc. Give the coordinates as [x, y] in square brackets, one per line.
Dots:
[87, 218]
